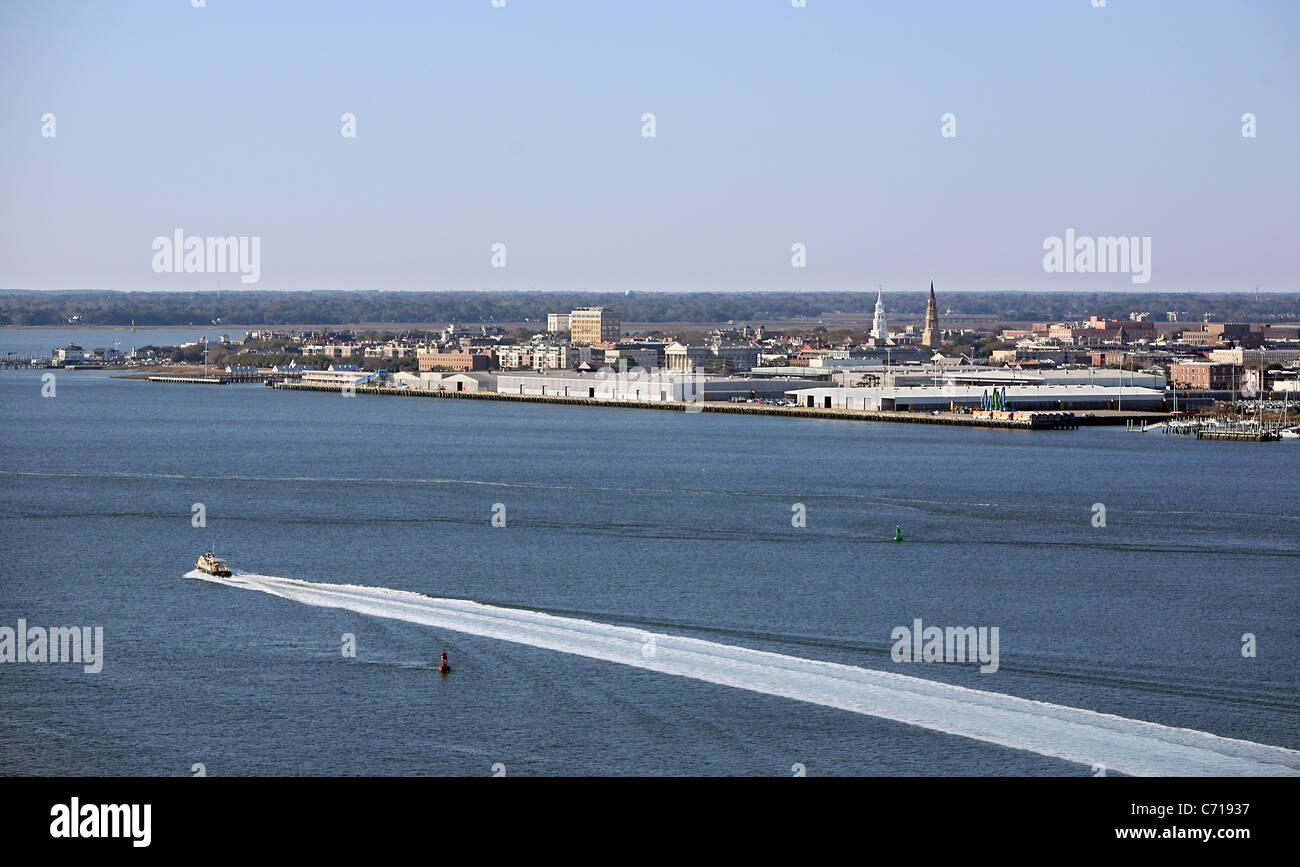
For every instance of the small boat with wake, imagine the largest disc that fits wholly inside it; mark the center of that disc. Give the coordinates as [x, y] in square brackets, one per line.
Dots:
[211, 565]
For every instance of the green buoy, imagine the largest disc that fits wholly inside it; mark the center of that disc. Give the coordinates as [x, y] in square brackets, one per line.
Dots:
[898, 533]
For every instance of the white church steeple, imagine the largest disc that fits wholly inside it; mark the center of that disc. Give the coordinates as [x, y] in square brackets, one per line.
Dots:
[879, 330]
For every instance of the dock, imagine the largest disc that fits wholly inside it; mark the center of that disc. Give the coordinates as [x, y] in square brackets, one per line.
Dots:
[211, 379]
[1229, 431]
[21, 361]
[1040, 421]
[1240, 436]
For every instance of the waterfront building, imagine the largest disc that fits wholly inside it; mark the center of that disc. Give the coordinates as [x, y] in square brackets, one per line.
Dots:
[69, 353]
[944, 398]
[652, 386]
[336, 376]
[442, 381]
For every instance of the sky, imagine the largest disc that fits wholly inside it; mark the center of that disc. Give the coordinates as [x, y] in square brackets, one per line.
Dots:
[774, 125]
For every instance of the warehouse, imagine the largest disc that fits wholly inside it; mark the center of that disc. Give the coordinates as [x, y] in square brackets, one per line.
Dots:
[945, 397]
[637, 384]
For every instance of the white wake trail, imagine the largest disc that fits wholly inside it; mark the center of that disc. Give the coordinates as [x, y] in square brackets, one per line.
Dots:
[1120, 744]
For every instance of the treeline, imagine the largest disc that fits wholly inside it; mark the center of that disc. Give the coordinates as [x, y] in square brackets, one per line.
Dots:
[350, 308]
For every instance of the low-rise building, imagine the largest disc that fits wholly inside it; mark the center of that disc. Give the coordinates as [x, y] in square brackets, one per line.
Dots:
[947, 397]
[443, 381]
[453, 361]
[70, 353]
[338, 378]
[638, 384]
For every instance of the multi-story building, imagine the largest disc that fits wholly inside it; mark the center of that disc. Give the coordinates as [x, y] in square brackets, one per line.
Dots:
[737, 357]
[333, 350]
[71, 352]
[1204, 375]
[646, 355]
[555, 357]
[590, 325]
[1254, 357]
[715, 358]
[557, 323]
[390, 350]
[683, 358]
[541, 356]
[1213, 333]
[453, 361]
[1097, 330]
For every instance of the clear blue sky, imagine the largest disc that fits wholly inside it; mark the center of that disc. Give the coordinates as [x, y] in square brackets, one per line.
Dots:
[775, 125]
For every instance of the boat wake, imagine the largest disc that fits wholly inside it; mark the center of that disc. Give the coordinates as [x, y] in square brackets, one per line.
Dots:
[1120, 744]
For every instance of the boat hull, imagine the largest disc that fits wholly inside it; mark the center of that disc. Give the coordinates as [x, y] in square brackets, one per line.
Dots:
[212, 566]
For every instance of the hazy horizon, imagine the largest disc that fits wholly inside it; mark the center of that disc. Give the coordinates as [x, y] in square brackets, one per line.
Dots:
[826, 126]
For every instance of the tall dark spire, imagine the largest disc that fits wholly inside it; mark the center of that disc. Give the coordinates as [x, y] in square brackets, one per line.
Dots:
[930, 336]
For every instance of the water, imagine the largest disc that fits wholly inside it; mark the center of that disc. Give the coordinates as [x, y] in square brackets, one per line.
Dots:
[668, 523]
[42, 341]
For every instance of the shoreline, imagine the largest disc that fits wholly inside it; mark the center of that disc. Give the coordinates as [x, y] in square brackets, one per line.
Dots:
[1043, 421]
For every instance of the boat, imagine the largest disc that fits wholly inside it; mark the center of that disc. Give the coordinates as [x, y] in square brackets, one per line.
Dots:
[211, 565]
[1291, 433]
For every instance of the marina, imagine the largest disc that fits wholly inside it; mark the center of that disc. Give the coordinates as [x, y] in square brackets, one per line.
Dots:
[22, 361]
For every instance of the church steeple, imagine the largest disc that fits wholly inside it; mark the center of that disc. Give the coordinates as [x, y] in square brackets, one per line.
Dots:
[879, 330]
[930, 336]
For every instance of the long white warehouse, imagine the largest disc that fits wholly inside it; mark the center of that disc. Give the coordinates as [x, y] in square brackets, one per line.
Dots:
[943, 397]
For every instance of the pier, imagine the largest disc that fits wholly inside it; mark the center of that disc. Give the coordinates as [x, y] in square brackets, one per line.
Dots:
[1241, 436]
[1224, 431]
[20, 361]
[1044, 421]
[212, 379]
